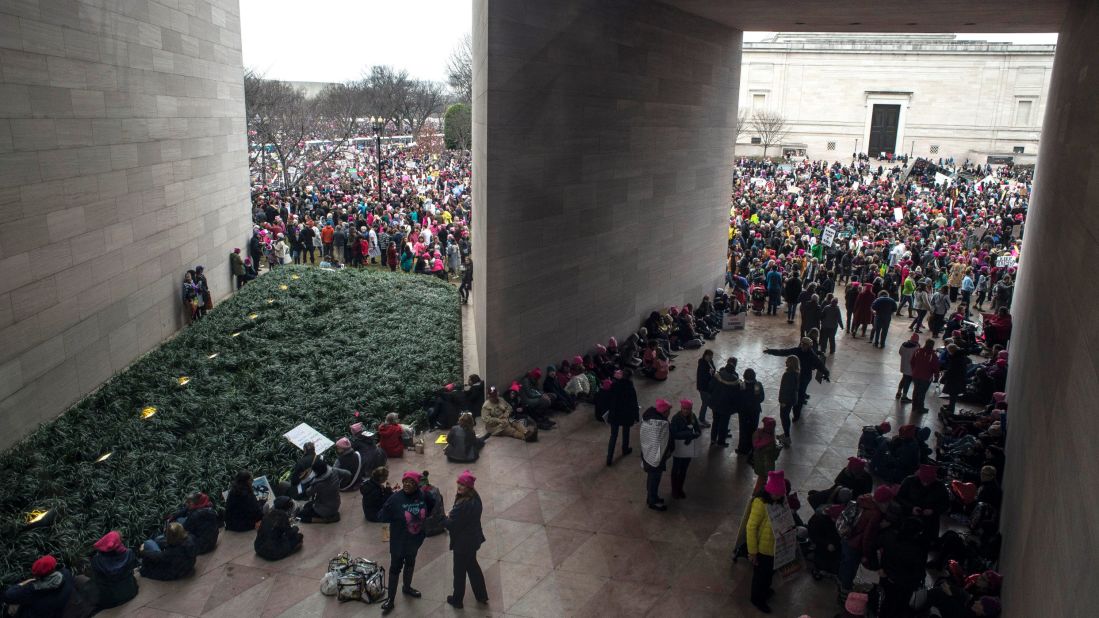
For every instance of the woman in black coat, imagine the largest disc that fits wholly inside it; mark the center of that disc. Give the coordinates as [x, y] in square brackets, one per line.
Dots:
[170, 557]
[791, 293]
[466, 537]
[954, 376]
[242, 509]
[277, 538]
[112, 571]
[623, 413]
[703, 375]
[375, 492]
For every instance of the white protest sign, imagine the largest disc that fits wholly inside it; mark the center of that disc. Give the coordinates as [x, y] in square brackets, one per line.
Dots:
[942, 179]
[303, 433]
[828, 237]
[1005, 261]
[898, 214]
[786, 538]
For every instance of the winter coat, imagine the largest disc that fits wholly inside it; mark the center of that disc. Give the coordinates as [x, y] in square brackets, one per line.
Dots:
[903, 560]
[242, 511]
[864, 535]
[113, 575]
[806, 356]
[461, 445]
[464, 525]
[374, 496]
[859, 483]
[791, 292]
[684, 428]
[954, 373]
[908, 348]
[750, 397]
[763, 459]
[883, 308]
[373, 456]
[863, 312]
[788, 388]
[352, 463]
[202, 524]
[913, 493]
[406, 515]
[652, 415]
[171, 562]
[390, 439]
[922, 301]
[724, 391]
[761, 538]
[810, 315]
[236, 264]
[830, 318]
[44, 597]
[624, 410]
[324, 491]
[924, 364]
[276, 537]
[704, 375]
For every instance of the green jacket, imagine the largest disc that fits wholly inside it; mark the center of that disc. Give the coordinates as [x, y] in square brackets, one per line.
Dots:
[908, 288]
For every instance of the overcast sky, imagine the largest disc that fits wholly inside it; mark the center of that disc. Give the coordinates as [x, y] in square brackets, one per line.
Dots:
[336, 39]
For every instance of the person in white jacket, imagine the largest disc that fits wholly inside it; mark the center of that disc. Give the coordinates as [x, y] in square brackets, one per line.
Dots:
[907, 349]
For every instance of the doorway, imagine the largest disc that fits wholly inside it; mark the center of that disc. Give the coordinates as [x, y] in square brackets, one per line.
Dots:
[883, 129]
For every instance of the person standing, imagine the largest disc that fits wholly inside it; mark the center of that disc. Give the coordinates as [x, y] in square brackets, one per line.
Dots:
[405, 512]
[466, 537]
[788, 396]
[761, 537]
[908, 348]
[236, 266]
[792, 293]
[940, 304]
[922, 303]
[808, 361]
[703, 376]
[622, 415]
[850, 297]
[685, 431]
[830, 322]
[749, 407]
[723, 399]
[883, 308]
[656, 447]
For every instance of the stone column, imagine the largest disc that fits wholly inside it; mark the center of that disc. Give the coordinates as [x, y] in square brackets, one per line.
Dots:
[1051, 494]
[603, 148]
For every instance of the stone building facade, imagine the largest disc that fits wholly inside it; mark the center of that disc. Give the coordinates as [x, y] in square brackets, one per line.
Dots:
[931, 95]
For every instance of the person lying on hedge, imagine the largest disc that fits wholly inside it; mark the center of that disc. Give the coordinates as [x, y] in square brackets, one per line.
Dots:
[462, 444]
[45, 594]
[391, 436]
[112, 571]
[170, 556]
[363, 442]
[242, 510]
[323, 491]
[496, 415]
[351, 461]
[276, 537]
[375, 492]
[200, 520]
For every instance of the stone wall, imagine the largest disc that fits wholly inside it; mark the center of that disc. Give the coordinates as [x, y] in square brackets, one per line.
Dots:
[604, 157]
[1051, 506]
[122, 164]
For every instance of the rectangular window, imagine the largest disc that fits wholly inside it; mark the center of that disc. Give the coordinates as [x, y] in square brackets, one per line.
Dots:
[757, 140]
[1022, 112]
[758, 101]
[831, 145]
[935, 149]
[1019, 149]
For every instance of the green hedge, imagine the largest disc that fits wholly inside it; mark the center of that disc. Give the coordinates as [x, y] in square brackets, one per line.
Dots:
[330, 343]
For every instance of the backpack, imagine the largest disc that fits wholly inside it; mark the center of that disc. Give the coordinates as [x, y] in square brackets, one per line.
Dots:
[845, 524]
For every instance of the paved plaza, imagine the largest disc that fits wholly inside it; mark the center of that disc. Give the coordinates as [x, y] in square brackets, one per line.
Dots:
[568, 536]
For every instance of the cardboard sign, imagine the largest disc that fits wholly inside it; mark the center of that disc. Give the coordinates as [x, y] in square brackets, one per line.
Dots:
[828, 237]
[1005, 261]
[303, 433]
[786, 536]
[898, 214]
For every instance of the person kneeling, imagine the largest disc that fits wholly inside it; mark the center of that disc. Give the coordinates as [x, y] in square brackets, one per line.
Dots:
[324, 493]
[276, 537]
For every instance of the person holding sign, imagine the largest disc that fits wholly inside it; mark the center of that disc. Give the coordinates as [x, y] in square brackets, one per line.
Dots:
[768, 503]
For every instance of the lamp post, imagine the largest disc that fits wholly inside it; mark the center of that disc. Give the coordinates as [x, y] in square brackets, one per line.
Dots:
[378, 124]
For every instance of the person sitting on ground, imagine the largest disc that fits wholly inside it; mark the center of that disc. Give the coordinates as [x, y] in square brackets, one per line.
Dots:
[324, 493]
[276, 537]
[496, 415]
[112, 571]
[536, 404]
[659, 368]
[473, 395]
[550, 385]
[303, 468]
[170, 556]
[375, 492]
[242, 510]
[363, 442]
[900, 458]
[351, 461]
[200, 520]
[444, 411]
[462, 444]
[391, 436]
[629, 353]
[47, 594]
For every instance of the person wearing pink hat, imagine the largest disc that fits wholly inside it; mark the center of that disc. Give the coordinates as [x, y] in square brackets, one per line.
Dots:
[924, 496]
[685, 430]
[405, 512]
[112, 571]
[862, 536]
[765, 448]
[656, 447]
[622, 414]
[350, 460]
[466, 537]
[761, 537]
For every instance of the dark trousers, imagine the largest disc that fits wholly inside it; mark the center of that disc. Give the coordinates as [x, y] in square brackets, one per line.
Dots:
[762, 574]
[720, 430]
[917, 324]
[465, 564]
[902, 388]
[850, 312]
[652, 486]
[881, 329]
[791, 310]
[463, 291]
[919, 393]
[614, 439]
[748, 422]
[938, 320]
[784, 418]
[895, 598]
[773, 302]
[828, 341]
[679, 475]
[804, 378]
[849, 565]
[397, 563]
[705, 397]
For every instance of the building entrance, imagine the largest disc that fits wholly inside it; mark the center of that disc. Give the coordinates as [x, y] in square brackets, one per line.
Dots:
[883, 129]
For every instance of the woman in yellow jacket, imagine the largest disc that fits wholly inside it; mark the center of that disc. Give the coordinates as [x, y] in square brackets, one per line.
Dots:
[761, 539]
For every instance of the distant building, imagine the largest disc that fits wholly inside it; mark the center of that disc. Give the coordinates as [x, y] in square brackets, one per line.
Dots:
[927, 95]
[311, 89]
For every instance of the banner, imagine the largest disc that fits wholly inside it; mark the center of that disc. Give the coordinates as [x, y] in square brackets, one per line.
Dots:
[303, 433]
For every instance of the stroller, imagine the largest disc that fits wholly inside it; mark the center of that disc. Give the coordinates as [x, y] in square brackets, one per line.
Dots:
[759, 297]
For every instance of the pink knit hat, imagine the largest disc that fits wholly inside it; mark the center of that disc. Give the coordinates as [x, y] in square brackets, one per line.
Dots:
[686, 404]
[343, 443]
[776, 483]
[856, 603]
[357, 428]
[415, 476]
[466, 478]
[662, 406]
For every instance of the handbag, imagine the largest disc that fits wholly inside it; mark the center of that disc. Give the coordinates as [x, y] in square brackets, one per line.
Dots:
[688, 450]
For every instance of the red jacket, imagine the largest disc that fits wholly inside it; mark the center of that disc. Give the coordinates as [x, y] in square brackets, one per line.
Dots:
[925, 364]
[389, 439]
[864, 538]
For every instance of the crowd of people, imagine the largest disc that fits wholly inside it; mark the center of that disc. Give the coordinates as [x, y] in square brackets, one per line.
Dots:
[844, 247]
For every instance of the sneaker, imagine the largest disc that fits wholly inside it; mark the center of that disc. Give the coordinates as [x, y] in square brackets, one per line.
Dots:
[658, 507]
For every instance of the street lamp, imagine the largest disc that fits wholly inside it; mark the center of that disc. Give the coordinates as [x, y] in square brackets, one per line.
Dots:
[378, 123]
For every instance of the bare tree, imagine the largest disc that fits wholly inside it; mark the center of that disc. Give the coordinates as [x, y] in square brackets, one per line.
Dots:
[387, 91]
[422, 99]
[770, 126]
[459, 70]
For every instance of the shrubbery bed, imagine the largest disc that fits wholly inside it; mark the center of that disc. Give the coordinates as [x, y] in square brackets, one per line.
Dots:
[321, 345]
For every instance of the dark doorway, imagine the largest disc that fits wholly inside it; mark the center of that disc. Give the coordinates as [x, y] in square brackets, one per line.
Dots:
[883, 129]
